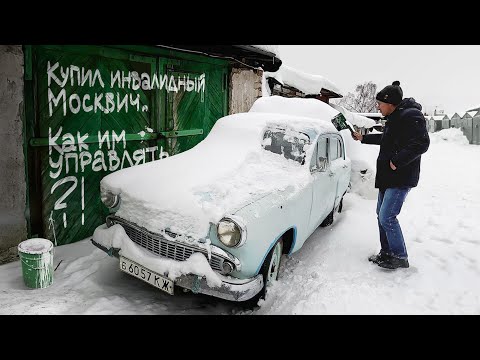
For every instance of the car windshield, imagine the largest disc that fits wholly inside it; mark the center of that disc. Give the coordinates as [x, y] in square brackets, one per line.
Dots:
[290, 144]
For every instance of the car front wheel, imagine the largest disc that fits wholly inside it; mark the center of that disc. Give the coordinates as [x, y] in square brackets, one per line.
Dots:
[269, 271]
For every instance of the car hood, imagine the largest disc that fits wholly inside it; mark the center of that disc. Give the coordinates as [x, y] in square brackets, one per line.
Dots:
[186, 192]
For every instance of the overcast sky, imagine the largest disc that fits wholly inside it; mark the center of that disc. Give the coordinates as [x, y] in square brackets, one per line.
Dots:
[442, 76]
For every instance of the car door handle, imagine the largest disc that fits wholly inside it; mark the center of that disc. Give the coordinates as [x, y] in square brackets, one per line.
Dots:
[331, 174]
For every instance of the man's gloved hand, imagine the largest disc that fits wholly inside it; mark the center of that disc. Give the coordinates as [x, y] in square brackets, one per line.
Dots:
[357, 136]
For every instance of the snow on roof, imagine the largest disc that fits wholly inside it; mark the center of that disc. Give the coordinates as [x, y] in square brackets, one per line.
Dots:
[438, 117]
[270, 48]
[355, 118]
[307, 83]
[472, 113]
[468, 114]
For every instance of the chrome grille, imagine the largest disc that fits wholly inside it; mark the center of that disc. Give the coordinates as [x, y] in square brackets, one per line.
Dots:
[159, 245]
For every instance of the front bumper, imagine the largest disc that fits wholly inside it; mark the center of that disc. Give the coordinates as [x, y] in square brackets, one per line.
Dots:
[231, 289]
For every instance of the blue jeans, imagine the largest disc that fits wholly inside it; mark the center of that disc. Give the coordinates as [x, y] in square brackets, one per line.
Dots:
[389, 204]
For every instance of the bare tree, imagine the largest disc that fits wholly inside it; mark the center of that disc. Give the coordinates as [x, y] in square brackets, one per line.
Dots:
[363, 100]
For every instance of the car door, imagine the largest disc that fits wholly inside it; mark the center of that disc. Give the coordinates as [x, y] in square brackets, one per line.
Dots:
[339, 166]
[324, 184]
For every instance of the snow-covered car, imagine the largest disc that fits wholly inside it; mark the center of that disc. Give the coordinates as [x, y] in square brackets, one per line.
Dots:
[216, 219]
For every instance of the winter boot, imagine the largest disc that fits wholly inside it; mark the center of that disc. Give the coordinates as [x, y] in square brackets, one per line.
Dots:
[392, 262]
[378, 257]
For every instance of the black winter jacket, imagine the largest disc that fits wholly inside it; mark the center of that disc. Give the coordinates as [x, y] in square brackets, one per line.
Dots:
[403, 141]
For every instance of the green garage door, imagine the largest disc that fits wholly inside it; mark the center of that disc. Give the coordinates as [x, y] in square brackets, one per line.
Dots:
[98, 110]
[190, 115]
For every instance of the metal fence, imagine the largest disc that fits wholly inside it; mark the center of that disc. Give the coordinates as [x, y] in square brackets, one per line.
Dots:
[476, 129]
[468, 122]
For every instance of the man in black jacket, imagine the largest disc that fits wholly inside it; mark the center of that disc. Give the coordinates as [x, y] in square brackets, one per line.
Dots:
[403, 141]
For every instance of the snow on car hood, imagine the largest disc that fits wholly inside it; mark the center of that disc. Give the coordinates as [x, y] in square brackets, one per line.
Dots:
[186, 192]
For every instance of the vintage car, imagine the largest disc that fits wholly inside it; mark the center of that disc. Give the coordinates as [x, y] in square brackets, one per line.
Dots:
[218, 218]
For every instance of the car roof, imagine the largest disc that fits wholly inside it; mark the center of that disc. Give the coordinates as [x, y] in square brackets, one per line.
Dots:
[309, 125]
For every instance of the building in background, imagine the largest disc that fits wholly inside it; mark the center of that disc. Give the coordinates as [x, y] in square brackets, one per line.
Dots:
[455, 120]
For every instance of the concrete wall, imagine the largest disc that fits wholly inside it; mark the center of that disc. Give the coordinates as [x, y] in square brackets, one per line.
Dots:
[13, 227]
[245, 87]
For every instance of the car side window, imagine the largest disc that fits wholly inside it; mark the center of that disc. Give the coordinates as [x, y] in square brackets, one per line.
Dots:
[322, 156]
[290, 144]
[334, 148]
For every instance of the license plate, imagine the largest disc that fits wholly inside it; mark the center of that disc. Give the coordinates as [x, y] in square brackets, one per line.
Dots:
[157, 280]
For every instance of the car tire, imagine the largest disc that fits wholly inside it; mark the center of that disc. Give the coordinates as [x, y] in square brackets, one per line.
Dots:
[269, 271]
[271, 265]
[340, 206]
[328, 220]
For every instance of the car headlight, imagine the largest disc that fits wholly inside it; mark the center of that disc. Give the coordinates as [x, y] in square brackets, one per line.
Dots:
[109, 199]
[231, 232]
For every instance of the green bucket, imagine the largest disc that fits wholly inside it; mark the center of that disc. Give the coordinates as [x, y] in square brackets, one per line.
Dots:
[36, 256]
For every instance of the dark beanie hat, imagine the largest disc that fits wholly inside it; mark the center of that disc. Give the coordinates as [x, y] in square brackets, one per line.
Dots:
[391, 94]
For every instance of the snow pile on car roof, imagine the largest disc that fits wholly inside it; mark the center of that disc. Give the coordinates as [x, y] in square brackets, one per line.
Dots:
[311, 108]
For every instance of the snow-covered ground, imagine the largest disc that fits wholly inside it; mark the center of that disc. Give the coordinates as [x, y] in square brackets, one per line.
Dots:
[329, 275]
